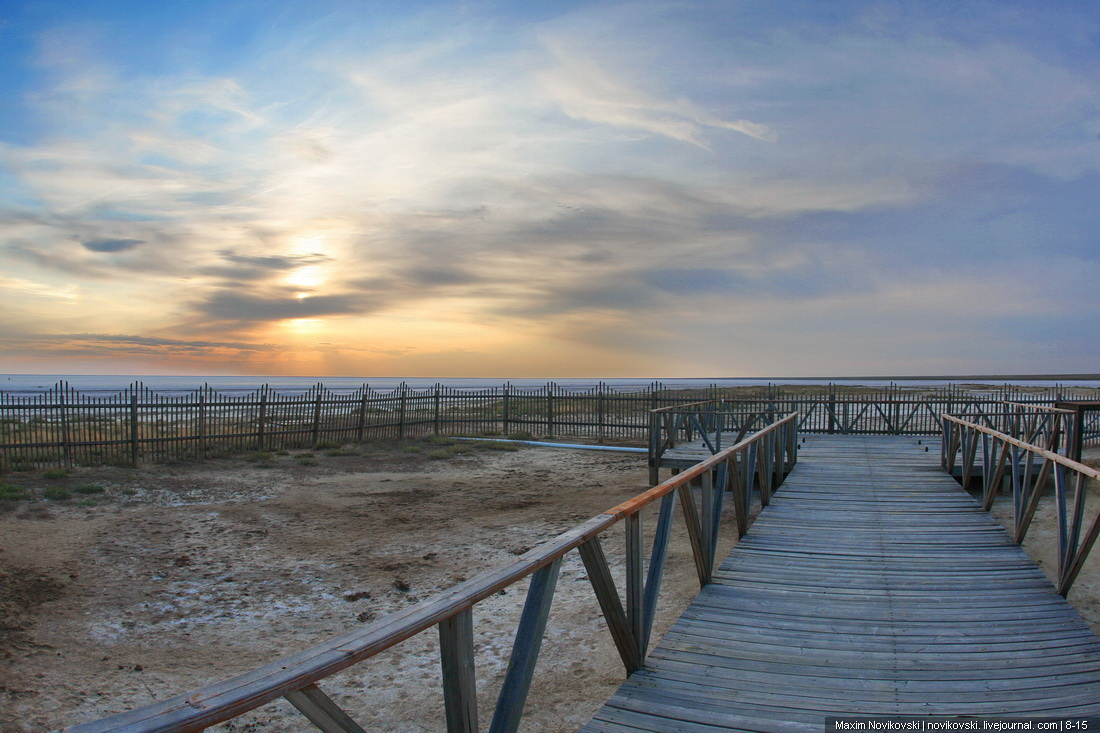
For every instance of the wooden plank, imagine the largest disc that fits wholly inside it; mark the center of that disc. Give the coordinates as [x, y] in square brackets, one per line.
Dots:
[456, 656]
[525, 650]
[322, 711]
[603, 584]
[872, 584]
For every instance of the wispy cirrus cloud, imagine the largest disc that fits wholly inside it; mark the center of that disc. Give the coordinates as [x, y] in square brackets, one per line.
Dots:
[589, 92]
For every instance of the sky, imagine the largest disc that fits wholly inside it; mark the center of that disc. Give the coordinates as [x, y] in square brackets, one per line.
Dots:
[735, 188]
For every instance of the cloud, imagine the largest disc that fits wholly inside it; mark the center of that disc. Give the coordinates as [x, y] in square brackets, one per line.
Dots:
[489, 178]
[148, 341]
[233, 306]
[588, 92]
[112, 245]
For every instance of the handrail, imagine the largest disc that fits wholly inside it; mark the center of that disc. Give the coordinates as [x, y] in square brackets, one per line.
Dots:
[667, 424]
[1004, 456]
[763, 456]
[1044, 408]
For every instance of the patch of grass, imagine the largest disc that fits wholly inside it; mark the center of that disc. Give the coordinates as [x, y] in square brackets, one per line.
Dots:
[497, 445]
[56, 493]
[87, 502]
[522, 435]
[307, 460]
[438, 440]
[129, 492]
[89, 489]
[412, 449]
[335, 452]
[440, 455]
[258, 457]
[327, 445]
[11, 492]
[55, 473]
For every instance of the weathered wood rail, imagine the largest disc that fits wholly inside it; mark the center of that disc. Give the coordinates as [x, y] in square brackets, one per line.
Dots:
[759, 459]
[1009, 459]
[64, 427]
[873, 585]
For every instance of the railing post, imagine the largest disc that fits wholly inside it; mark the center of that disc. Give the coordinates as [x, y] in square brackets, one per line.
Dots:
[506, 409]
[317, 417]
[832, 409]
[361, 427]
[261, 427]
[202, 426]
[525, 650]
[603, 585]
[656, 441]
[550, 408]
[66, 443]
[456, 655]
[134, 429]
[635, 589]
[656, 570]
[601, 408]
[322, 711]
[403, 405]
[437, 403]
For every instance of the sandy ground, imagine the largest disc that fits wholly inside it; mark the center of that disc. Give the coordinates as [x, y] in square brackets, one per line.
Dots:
[146, 583]
[1041, 542]
[182, 575]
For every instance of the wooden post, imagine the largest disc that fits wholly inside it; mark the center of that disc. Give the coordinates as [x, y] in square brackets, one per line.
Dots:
[313, 703]
[202, 426]
[437, 401]
[317, 417]
[261, 427]
[550, 408]
[691, 518]
[456, 655]
[401, 410]
[655, 447]
[603, 585]
[601, 431]
[134, 429]
[656, 569]
[505, 418]
[362, 426]
[635, 614]
[66, 446]
[832, 410]
[525, 650]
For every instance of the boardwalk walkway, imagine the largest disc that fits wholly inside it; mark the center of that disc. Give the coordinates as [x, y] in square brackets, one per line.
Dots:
[873, 585]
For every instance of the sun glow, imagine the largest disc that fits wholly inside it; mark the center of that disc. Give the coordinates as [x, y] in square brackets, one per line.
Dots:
[311, 274]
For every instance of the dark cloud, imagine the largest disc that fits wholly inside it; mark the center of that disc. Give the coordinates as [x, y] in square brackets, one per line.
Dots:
[626, 296]
[225, 305]
[154, 341]
[112, 245]
[439, 276]
[687, 280]
[260, 267]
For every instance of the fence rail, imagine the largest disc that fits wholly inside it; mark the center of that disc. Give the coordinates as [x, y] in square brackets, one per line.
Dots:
[1005, 458]
[64, 427]
[761, 460]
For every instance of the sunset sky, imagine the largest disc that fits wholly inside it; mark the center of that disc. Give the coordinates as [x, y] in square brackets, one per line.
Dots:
[550, 189]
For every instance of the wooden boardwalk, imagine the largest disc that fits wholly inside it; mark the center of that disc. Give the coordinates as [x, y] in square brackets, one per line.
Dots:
[872, 585]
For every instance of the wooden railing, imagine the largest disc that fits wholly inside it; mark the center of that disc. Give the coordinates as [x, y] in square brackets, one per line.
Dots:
[1028, 463]
[63, 427]
[714, 422]
[758, 459]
